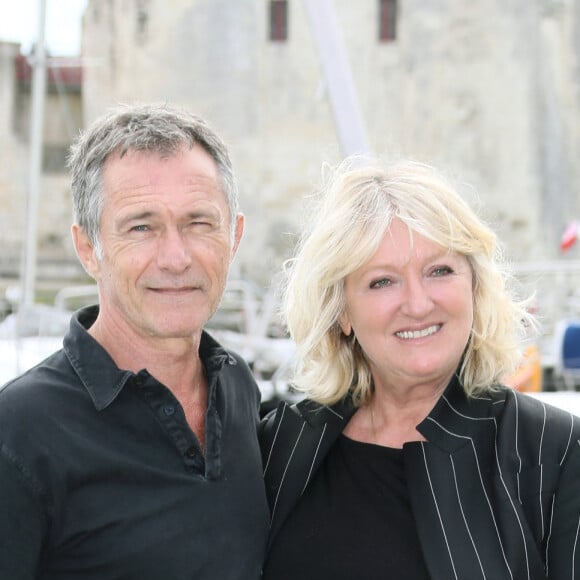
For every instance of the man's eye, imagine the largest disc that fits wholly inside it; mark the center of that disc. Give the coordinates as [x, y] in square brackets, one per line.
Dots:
[381, 283]
[140, 228]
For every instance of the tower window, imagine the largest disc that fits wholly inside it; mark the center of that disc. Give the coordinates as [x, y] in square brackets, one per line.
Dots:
[387, 20]
[278, 20]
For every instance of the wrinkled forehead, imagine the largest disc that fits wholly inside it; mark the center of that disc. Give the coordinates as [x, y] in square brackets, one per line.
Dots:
[138, 172]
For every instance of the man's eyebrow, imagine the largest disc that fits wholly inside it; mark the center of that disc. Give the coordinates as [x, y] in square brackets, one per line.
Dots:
[133, 217]
[204, 212]
[207, 213]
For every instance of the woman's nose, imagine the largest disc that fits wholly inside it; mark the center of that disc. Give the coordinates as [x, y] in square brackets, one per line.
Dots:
[417, 301]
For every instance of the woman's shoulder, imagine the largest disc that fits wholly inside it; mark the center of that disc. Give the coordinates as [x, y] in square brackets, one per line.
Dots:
[307, 412]
[535, 409]
[289, 414]
[551, 431]
[306, 422]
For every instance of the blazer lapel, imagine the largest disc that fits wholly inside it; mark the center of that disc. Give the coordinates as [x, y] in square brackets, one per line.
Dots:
[459, 498]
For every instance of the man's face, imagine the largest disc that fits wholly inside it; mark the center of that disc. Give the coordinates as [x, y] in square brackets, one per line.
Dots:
[166, 243]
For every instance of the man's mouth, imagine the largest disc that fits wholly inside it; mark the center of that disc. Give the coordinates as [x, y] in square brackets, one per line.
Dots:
[176, 291]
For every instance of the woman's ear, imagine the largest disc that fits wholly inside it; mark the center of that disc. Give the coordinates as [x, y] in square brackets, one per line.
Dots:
[344, 323]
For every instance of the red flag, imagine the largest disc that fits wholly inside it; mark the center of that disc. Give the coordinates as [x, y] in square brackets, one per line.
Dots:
[569, 236]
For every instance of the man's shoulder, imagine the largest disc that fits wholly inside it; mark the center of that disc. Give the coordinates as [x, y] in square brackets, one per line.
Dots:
[35, 377]
[39, 390]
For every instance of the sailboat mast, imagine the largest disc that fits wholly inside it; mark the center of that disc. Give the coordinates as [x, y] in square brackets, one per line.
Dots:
[35, 168]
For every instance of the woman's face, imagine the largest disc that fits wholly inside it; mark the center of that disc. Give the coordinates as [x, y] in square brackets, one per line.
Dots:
[411, 310]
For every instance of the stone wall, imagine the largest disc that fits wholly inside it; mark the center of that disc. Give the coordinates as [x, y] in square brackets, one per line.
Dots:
[62, 119]
[486, 89]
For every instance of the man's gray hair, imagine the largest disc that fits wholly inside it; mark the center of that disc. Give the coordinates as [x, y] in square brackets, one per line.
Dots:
[151, 128]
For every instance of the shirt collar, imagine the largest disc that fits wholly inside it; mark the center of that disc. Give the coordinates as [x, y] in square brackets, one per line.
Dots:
[102, 378]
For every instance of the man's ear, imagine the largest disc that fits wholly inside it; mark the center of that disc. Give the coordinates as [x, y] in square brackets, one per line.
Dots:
[238, 232]
[85, 251]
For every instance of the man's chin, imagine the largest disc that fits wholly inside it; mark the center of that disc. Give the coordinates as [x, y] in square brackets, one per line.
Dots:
[178, 329]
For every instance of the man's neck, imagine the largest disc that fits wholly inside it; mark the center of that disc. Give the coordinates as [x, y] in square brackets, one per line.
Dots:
[174, 362]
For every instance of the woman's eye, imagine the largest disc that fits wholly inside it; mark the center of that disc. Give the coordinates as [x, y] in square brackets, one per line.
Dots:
[442, 271]
[381, 283]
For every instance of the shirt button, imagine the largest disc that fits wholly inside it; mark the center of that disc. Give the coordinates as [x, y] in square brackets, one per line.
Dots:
[191, 452]
[168, 410]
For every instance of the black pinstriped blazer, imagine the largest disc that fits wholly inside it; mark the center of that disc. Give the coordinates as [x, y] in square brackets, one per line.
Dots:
[495, 492]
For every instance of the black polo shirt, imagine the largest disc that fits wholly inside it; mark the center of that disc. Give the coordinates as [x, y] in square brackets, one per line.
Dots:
[102, 478]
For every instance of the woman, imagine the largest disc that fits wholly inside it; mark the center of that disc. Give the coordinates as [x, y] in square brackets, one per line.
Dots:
[409, 459]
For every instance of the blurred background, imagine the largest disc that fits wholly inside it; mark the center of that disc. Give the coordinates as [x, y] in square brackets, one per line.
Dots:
[487, 90]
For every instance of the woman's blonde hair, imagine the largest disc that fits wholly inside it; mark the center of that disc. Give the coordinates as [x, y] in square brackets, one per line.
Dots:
[349, 220]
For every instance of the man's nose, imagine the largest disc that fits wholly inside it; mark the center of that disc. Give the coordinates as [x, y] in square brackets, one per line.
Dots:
[173, 252]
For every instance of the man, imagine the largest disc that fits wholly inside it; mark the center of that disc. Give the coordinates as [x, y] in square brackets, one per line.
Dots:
[132, 452]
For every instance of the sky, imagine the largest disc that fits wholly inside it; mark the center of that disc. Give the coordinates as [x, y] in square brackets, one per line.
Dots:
[19, 22]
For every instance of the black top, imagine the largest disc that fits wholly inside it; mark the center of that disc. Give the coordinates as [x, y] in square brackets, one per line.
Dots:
[493, 488]
[354, 521]
[102, 478]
